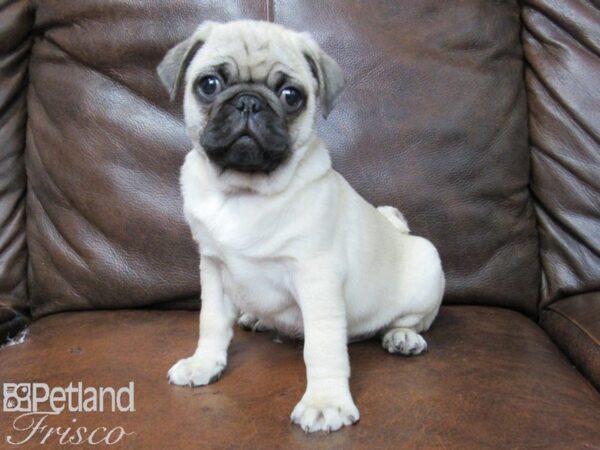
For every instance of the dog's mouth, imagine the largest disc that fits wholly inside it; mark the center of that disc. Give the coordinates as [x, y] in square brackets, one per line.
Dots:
[245, 154]
[250, 149]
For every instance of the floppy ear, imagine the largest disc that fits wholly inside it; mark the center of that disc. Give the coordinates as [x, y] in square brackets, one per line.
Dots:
[330, 78]
[172, 68]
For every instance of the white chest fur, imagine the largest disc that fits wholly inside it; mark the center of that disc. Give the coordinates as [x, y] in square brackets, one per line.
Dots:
[244, 233]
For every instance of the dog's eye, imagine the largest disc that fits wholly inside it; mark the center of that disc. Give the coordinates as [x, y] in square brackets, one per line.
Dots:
[208, 87]
[291, 98]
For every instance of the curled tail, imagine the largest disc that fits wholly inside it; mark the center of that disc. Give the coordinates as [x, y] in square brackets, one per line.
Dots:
[395, 217]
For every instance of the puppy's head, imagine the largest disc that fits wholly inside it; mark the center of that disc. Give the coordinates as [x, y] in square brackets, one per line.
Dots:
[250, 92]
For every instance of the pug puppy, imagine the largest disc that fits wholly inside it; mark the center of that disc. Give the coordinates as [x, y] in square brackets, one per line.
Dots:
[283, 237]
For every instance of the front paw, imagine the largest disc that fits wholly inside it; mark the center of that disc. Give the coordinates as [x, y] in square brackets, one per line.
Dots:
[325, 411]
[249, 322]
[195, 371]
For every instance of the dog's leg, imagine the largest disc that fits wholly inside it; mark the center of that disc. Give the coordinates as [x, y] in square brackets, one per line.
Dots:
[217, 316]
[422, 290]
[327, 404]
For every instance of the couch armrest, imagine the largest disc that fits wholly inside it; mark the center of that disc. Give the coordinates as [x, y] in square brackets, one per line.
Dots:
[11, 322]
[574, 324]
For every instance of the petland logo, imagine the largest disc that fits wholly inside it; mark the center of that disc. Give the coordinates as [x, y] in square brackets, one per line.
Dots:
[37, 403]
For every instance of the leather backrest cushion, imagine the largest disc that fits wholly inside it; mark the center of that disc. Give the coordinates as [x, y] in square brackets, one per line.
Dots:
[561, 40]
[433, 121]
[104, 146]
[16, 23]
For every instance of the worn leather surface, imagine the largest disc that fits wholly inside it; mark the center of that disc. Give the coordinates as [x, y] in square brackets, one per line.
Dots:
[574, 323]
[561, 42]
[15, 43]
[433, 121]
[491, 379]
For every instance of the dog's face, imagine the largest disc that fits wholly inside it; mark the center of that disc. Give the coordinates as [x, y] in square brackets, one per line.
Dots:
[250, 91]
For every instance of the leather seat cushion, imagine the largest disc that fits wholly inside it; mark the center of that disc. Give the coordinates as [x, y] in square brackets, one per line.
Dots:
[574, 323]
[491, 378]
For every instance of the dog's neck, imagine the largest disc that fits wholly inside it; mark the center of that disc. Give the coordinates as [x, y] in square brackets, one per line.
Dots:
[307, 163]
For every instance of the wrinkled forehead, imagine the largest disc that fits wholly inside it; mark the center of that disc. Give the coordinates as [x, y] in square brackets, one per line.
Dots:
[252, 54]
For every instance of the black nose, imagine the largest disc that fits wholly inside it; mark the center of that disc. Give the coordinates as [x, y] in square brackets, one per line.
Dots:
[248, 103]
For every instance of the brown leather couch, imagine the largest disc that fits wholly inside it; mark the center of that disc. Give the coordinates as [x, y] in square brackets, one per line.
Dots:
[478, 118]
